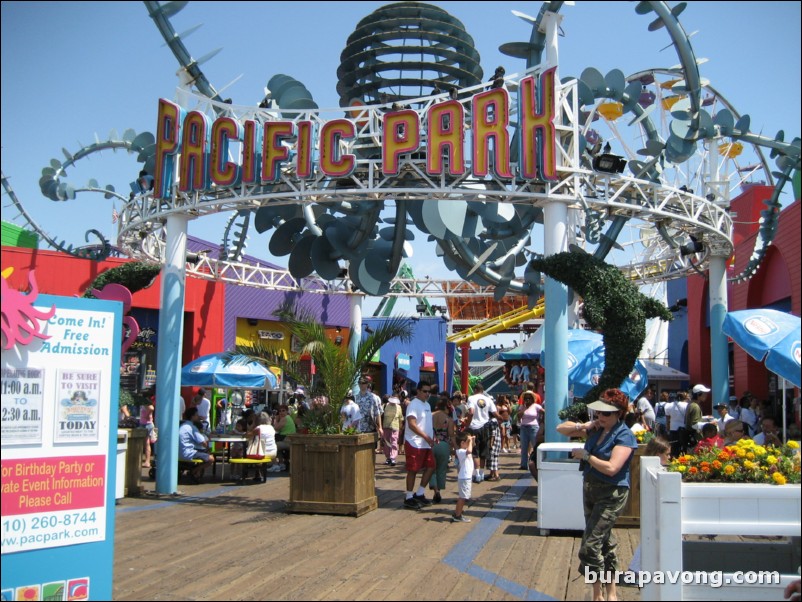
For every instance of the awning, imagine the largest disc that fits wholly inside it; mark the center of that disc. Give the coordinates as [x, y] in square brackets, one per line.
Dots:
[657, 371]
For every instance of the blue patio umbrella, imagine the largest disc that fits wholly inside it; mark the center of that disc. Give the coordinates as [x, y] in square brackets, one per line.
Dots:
[216, 370]
[770, 335]
[586, 364]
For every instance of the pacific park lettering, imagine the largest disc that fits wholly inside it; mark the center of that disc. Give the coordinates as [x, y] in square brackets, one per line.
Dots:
[204, 145]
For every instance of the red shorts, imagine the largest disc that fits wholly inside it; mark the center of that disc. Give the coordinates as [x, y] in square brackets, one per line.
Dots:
[419, 458]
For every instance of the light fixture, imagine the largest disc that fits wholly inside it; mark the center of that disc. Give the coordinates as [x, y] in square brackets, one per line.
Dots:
[195, 258]
[338, 341]
[369, 330]
[678, 305]
[692, 247]
[609, 163]
[420, 308]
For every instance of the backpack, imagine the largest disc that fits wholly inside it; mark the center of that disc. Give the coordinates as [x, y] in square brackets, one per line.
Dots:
[660, 412]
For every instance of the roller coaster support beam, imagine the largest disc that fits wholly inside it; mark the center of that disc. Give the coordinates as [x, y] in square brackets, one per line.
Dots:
[168, 358]
[465, 352]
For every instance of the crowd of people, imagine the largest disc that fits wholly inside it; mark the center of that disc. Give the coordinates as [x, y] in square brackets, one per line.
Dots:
[438, 429]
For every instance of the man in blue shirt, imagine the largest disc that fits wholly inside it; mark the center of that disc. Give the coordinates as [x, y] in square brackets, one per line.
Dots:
[193, 444]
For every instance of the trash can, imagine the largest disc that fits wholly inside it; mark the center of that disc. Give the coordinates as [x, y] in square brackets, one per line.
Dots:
[133, 461]
[122, 450]
[559, 488]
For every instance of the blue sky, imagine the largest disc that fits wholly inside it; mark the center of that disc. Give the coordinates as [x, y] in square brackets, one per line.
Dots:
[71, 70]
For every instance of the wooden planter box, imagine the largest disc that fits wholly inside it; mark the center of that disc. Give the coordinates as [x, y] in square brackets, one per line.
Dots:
[332, 474]
[630, 517]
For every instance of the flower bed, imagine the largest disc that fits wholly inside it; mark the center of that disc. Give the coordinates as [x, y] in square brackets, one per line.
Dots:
[744, 462]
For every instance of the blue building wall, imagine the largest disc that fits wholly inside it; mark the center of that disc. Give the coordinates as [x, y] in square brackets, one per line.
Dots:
[429, 335]
[677, 290]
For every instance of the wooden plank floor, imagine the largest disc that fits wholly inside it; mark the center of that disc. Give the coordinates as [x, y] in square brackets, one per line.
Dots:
[220, 541]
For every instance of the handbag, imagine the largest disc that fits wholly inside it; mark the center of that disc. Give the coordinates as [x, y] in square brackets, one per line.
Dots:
[256, 448]
[154, 435]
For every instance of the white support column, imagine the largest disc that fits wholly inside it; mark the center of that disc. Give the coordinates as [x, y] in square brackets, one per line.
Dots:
[555, 323]
[555, 221]
[356, 333]
[168, 358]
[719, 364]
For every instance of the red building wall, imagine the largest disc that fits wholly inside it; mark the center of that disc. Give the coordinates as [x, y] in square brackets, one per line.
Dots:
[779, 277]
[60, 274]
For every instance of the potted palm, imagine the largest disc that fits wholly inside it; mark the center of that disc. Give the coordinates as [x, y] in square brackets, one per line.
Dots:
[332, 469]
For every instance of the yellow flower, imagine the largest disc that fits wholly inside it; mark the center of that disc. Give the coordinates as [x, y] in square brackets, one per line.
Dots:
[748, 465]
[729, 469]
[760, 450]
[740, 452]
[750, 455]
[793, 444]
[771, 459]
[778, 478]
[681, 468]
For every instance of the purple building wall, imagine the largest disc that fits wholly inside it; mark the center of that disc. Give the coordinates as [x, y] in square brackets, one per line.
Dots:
[259, 304]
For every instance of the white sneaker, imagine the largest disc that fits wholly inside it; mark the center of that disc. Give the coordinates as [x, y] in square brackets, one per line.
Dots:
[275, 468]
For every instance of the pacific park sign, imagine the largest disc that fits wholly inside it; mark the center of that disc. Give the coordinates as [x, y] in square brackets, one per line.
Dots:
[439, 131]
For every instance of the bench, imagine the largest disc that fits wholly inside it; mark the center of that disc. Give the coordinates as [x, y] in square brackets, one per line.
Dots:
[261, 465]
[185, 467]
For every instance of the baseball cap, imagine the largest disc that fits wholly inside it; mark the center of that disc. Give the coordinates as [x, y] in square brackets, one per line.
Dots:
[733, 398]
[701, 389]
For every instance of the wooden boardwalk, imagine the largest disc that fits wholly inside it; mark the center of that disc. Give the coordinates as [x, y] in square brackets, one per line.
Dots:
[220, 541]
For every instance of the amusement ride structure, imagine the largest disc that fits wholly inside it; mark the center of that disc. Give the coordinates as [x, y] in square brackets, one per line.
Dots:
[636, 169]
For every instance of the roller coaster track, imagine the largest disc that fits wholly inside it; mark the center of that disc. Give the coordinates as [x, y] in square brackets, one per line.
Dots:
[499, 323]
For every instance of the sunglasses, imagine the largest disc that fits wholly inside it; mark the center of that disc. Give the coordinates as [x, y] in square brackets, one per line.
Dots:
[608, 414]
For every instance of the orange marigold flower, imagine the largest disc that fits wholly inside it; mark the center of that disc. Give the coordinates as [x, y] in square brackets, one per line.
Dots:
[716, 465]
[729, 469]
[705, 468]
[693, 470]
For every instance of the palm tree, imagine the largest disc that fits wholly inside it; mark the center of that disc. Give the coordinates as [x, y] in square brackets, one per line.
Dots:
[337, 368]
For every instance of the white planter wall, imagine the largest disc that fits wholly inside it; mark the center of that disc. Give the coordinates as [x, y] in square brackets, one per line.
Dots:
[671, 509]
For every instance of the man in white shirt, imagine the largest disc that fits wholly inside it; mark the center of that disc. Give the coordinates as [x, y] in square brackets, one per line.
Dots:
[204, 408]
[770, 435]
[724, 412]
[480, 408]
[645, 410]
[350, 413]
[418, 440]
[675, 417]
